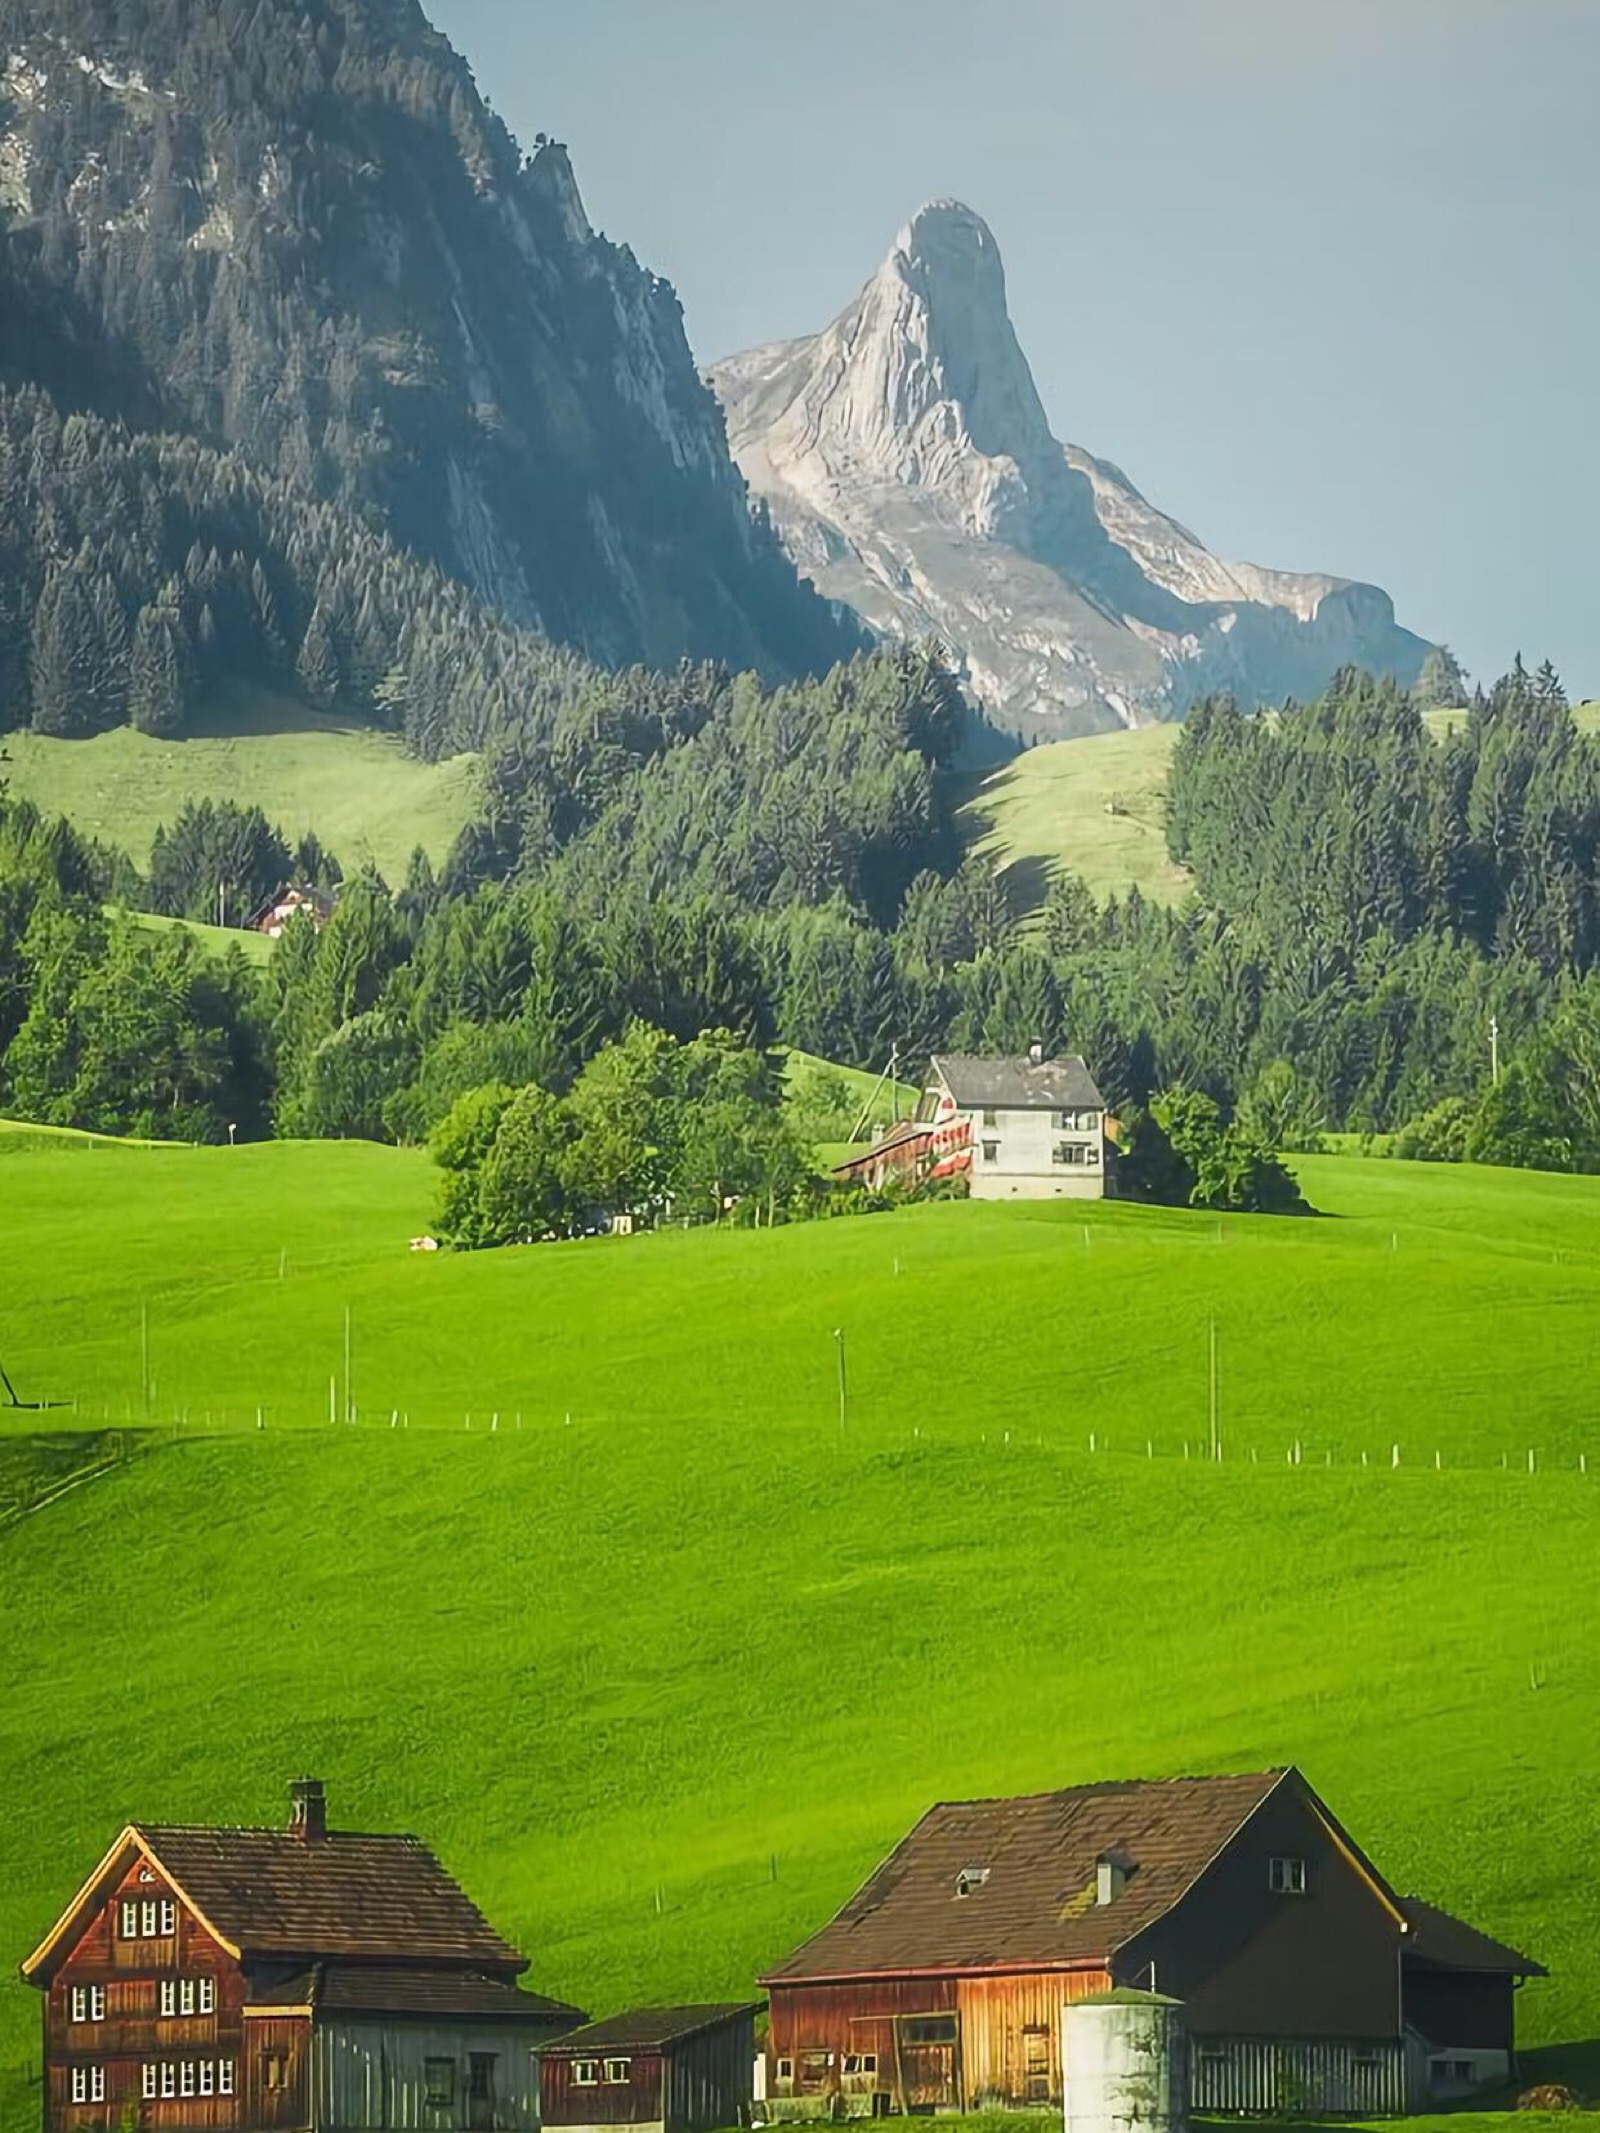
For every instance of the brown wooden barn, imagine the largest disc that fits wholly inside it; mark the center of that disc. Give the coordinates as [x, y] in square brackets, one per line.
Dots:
[303, 1979]
[663, 2069]
[1309, 1984]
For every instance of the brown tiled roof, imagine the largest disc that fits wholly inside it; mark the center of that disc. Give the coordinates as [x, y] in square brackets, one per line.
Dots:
[649, 2029]
[270, 1893]
[400, 1990]
[1439, 1941]
[1032, 1868]
[908, 1130]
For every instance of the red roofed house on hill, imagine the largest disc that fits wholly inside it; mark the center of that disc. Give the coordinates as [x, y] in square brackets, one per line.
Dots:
[298, 1979]
[1308, 1984]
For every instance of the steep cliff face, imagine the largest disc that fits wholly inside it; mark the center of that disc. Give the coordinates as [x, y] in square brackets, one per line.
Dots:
[910, 468]
[296, 229]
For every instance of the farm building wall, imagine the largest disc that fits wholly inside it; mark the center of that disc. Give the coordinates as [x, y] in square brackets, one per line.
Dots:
[371, 2076]
[710, 2079]
[574, 2104]
[1024, 1166]
[1462, 2007]
[276, 2075]
[1246, 1960]
[112, 2054]
[1011, 2034]
[1284, 2077]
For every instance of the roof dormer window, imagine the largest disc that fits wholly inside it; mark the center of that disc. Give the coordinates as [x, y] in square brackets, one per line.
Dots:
[970, 1878]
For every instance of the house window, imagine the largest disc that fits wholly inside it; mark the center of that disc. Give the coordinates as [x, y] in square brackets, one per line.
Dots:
[814, 2068]
[970, 1878]
[169, 1918]
[786, 2070]
[275, 2071]
[147, 1918]
[80, 2003]
[208, 2077]
[586, 2072]
[208, 1995]
[617, 2069]
[480, 2077]
[861, 2062]
[224, 2077]
[169, 2078]
[439, 2083]
[1091, 1156]
[150, 2076]
[128, 1921]
[930, 2029]
[186, 1996]
[1286, 1877]
[991, 1118]
[80, 2084]
[991, 1151]
[169, 1996]
[186, 2078]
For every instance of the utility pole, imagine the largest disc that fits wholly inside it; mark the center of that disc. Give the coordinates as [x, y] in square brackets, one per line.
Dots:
[844, 1390]
[144, 1359]
[1216, 1433]
[347, 1414]
[1494, 1050]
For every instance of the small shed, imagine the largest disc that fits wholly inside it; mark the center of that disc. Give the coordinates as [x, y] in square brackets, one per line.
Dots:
[666, 2069]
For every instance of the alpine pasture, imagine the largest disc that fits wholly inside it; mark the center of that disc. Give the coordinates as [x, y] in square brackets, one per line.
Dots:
[668, 1644]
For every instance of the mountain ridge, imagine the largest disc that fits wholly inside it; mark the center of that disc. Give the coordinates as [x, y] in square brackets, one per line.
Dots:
[910, 467]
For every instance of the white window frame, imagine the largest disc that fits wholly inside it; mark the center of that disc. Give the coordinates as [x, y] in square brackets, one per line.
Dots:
[169, 2078]
[1286, 1876]
[80, 2084]
[618, 2071]
[208, 1995]
[129, 1919]
[97, 2084]
[80, 2004]
[786, 2069]
[186, 2077]
[169, 1918]
[169, 1998]
[97, 2003]
[150, 2080]
[208, 2077]
[225, 2077]
[147, 1918]
[586, 2073]
[186, 1995]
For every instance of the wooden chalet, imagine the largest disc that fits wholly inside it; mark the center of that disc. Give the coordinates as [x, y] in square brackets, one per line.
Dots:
[1309, 1985]
[300, 1980]
[662, 2069]
[290, 899]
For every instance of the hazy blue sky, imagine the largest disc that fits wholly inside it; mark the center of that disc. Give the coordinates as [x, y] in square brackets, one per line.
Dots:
[1325, 280]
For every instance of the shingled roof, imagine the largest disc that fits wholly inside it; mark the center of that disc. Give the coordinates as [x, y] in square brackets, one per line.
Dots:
[1018, 1084]
[649, 2029]
[1030, 1867]
[389, 1989]
[270, 1893]
[1437, 1941]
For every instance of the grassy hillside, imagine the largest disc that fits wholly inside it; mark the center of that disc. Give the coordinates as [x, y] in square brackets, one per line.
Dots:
[362, 794]
[1092, 807]
[666, 1667]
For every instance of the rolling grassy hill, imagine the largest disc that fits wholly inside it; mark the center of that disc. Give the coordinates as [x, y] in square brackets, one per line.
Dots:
[362, 794]
[663, 1653]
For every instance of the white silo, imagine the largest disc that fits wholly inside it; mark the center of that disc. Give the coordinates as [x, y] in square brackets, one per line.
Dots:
[1125, 2064]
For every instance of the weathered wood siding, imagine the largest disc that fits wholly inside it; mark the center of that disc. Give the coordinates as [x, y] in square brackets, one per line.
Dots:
[371, 2077]
[634, 2102]
[1283, 2078]
[133, 2032]
[855, 2020]
[1462, 2007]
[710, 2078]
[277, 2072]
[1011, 2034]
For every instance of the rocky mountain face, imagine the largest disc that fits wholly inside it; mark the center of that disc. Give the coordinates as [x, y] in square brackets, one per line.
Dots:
[292, 228]
[909, 466]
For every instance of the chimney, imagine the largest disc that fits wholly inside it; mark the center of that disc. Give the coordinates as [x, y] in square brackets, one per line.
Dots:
[1111, 1875]
[1036, 1053]
[308, 1810]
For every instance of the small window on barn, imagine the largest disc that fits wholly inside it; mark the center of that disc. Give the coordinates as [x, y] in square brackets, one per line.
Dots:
[208, 2077]
[80, 2084]
[970, 1878]
[930, 2029]
[439, 2083]
[1286, 1877]
[186, 1995]
[786, 2070]
[80, 2003]
[617, 2069]
[169, 2078]
[1462, 2069]
[97, 2003]
[586, 2072]
[186, 2078]
[274, 2071]
[147, 1918]
[224, 2077]
[150, 2080]
[861, 2062]
[991, 1118]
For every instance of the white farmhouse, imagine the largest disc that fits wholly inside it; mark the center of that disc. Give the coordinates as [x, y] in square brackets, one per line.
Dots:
[1035, 1127]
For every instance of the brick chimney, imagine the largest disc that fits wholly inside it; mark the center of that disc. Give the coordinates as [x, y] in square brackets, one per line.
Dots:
[308, 1810]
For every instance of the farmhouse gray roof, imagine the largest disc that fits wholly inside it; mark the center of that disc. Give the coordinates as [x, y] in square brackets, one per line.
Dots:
[396, 1989]
[1438, 1941]
[1019, 1084]
[645, 2029]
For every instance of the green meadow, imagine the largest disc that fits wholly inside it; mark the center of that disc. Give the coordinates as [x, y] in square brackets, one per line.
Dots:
[606, 1594]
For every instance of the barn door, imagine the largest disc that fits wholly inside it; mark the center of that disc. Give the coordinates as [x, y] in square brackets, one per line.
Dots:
[928, 2051]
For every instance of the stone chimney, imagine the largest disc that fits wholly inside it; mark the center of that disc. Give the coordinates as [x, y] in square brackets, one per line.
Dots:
[1036, 1053]
[308, 1810]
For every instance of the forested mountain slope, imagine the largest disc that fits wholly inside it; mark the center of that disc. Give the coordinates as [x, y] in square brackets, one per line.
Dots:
[297, 230]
